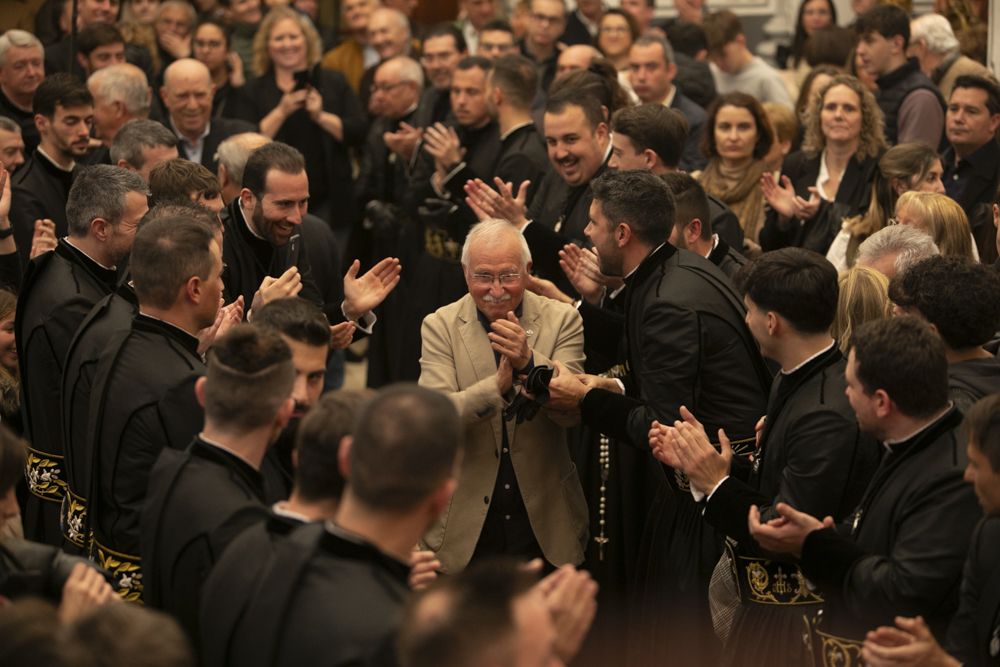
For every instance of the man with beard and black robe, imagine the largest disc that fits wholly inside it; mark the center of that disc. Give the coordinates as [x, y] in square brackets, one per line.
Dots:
[200, 498]
[143, 394]
[686, 344]
[901, 552]
[59, 289]
[810, 454]
[109, 316]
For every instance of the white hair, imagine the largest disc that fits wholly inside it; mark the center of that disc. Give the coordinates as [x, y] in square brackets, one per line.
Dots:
[910, 245]
[123, 83]
[187, 7]
[19, 38]
[935, 31]
[494, 230]
[234, 152]
[407, 68]
[399, 19]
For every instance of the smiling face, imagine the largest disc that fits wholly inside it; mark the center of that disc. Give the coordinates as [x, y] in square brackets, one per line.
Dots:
[286, 45]
[840, 115]
[386, 34]
[575, 149]
[735, 133]
[187, 93]
[603, 235]
[439, 58]
[496, 275]
[278, 213]
[614, 37]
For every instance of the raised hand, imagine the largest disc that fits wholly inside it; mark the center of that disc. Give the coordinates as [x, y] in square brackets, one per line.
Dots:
[44, 238]
[781, 198]
[786, 533]
[403, 141]
[547, 288]
[571, 597]
[423, 569]
[342, 335]
[442, 143]
[807, 208]
[909, 644]
[583, 270]
[364, 294]
[501, 203]
[292, 101]
[286, 285]
[509, 339]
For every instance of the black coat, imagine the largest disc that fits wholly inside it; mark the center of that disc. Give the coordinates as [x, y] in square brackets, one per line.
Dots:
[692, 158]
[434, 107]
[972, 182]
[818, 232]
[724, 222]
[576, 32]
[327, 160]
[971, 380]
[59, 290]
[383, 175]
[728, 260]
[30, 569]
[26, 119]
[135, 415]
[39, 190]
[219, 129]
[901, 552]
[973, 631]
[198, 500]
[109, 316]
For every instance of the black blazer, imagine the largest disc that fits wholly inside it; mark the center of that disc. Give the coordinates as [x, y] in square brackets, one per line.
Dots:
[576, 32]
[39, 190]
[219, 130]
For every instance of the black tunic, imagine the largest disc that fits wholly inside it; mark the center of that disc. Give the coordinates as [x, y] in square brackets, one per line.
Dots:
[26, 119]
[728, 260]
[333, 600]
[901, 552]
[39, 190]
[812, 456]
[59, 290]
[686, 344]
[198, 500]
[111, 315]
[971, 380]
[142, 402]
[972, 635]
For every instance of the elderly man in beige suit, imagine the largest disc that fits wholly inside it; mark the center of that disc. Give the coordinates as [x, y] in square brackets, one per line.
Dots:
[518, 491]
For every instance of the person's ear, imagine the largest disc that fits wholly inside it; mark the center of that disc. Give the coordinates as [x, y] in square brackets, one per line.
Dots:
[101, 229]
[649, 158]
[883, 403]
[41, 123]
[344, 456]
[192, 289]
[247, 199]
[692, 232]
[772, 322]
[199, 391]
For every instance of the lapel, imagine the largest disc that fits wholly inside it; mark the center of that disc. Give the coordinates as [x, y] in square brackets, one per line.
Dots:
[850, 182]
[477, 346]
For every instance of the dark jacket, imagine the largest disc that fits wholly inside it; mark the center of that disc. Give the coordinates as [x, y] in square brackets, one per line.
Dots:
[219, 129]
[724, 222]
[383, 175]
[198, 500]
[971, 380]
[901, 552]
[39, 190]
[894, 87]
[972, 182]
[59, 290]
[974, 628]
[434, 107]
[818, 232]
[576, 32]
[728, 260]
[695, 78]
[692, 159]
[141, 413]
[30, 569]
[26, 119]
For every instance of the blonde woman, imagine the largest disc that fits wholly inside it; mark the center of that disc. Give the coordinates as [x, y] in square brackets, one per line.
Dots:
[940, 217]
[312, 109]
[864, 296]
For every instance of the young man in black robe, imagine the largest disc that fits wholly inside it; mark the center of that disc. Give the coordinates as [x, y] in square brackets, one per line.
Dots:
[200, 498]
[104, 208]
[901, 551]
[810, 453]
[686, 343]
[333, 593]
[143, 392]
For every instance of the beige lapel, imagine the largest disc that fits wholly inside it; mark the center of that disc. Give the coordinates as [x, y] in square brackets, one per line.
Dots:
[480, 354]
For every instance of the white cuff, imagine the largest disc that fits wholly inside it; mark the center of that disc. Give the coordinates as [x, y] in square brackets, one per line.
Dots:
[699, 496]
[364, 323]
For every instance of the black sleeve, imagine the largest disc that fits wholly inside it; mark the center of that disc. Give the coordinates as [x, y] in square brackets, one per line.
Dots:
[545, 244]
[343, 101]
[980, 582]
[10, 271]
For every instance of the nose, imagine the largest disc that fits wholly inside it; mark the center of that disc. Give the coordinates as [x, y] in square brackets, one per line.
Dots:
[300, 390]
[612, 164]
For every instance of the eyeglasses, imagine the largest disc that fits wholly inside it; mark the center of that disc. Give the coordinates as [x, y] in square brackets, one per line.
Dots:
[489, 278]
[386, 87]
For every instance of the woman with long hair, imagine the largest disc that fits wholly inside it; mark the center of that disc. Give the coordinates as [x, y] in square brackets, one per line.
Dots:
[813, 15]
[737, 138]
[902, 168]
[829, 179]
[864, 296]
[941, 218]
[616, 32]
[313, 109]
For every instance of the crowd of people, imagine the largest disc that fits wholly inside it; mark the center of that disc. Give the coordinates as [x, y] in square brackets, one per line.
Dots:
[674, 353]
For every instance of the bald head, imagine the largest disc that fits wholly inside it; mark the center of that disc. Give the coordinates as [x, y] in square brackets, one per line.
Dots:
[578, 56]
[389, 32]
[396, 87]
[233, 155]
[187, 94]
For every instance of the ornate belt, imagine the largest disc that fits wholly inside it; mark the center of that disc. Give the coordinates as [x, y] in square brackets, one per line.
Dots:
[43, 472]
[833, 651]
[764, 581]
[73, 520]
[125, 569]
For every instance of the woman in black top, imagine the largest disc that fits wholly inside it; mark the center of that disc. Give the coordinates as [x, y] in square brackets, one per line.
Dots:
[312, 109]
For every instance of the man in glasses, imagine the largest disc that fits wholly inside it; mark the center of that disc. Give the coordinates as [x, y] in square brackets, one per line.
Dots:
[518, 494]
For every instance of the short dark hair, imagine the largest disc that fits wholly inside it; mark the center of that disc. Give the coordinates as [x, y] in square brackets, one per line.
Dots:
[598, 83]
[949, 293]
[12, 453]
[798, 284]
[182, 209]
[686, 37]
[128, 634]
[317, 443]
[517, 77]
[176, 180]
[663, 131]
[887, 20]
[832, 45]
[448, 29]
[405, 443]
[904, 358]
[563, 98]
[473, 615]
[297, 318]
[274, 155]
[721, 28]
[498, 25]
[60, 90]
[166, 253]
[639, 199]
[98, 35]
[765, 133]
[690, 202]
[137, 134]
[986, 84]
[227, 34]
[982, 426]
[250, 375]
[474, 62]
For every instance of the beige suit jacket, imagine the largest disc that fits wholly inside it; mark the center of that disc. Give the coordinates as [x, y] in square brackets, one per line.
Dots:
[457, 359]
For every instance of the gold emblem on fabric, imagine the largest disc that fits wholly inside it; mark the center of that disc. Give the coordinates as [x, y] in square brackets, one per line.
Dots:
[839, 651]
[73, 519]
[125, 569]
[771, 582]
[43, 473]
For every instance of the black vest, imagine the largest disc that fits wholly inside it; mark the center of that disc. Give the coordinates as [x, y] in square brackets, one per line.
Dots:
[893, 89]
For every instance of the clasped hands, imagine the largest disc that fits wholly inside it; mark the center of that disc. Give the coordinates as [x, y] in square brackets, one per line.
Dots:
[783, 199]
[510, 340]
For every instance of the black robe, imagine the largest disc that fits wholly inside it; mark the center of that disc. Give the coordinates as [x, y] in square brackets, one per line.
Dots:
[39, 190]
[812, 456]
[142, 402]
[197, 501]
[26, 119]
[59, 290]
[111, 315]
[333, 600]
[686, 344]
[728, 260]
[972, 635]
[971, 380]
[30, 569]
[902, 550]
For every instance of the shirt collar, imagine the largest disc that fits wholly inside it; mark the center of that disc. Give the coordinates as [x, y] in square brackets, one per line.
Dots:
[514, 129]
[910, 436]
[183, 138]
[281, 509]
[669, 99]
[216, 443]
[629, 274]
[246, 222]
[715, 244]
[41, 151]
[77, 248]
[591, 26]
[826, 349]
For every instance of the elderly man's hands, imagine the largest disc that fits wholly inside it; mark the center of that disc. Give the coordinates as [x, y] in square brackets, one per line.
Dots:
[511, 340]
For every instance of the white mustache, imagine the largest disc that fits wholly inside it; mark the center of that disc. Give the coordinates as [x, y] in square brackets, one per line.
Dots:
[496, 299]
